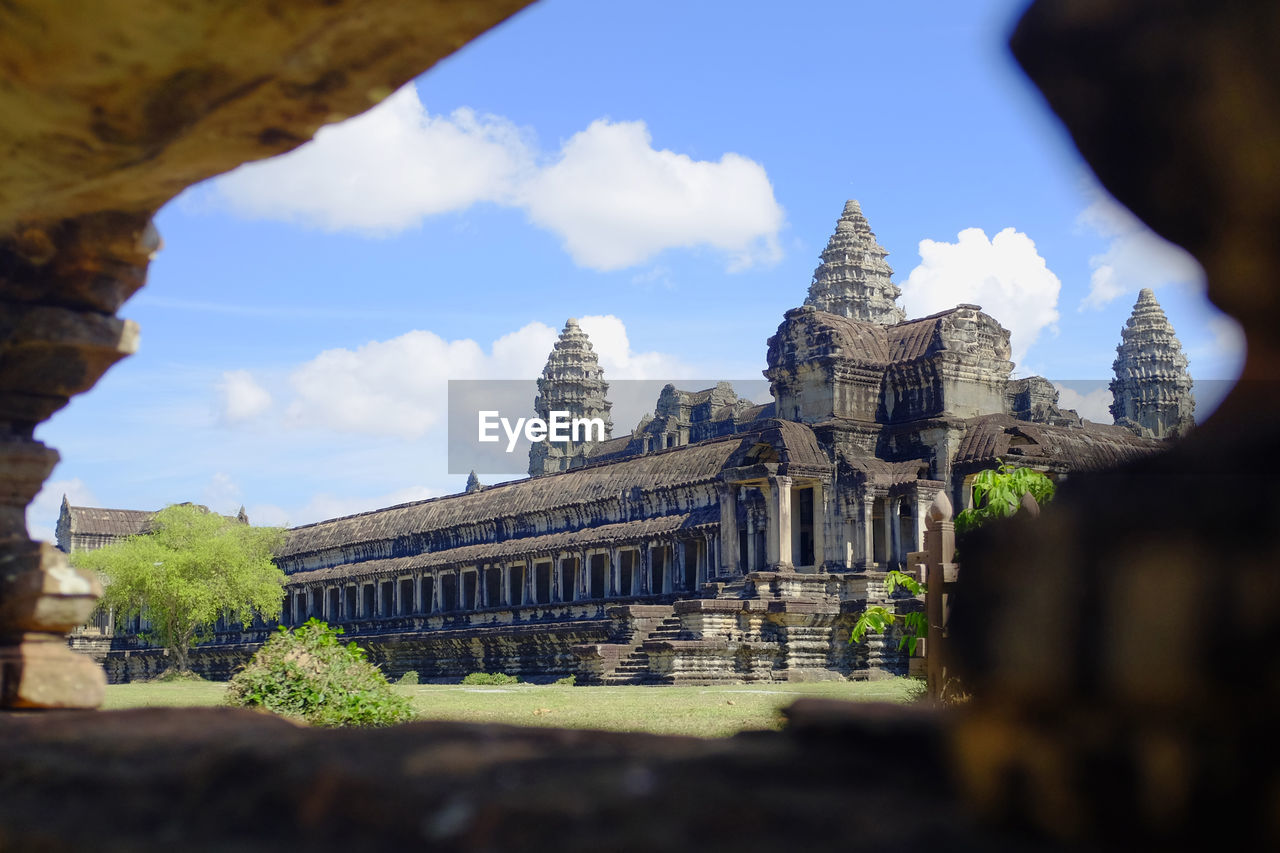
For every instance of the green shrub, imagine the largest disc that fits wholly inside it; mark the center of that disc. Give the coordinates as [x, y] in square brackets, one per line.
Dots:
[410, 677]
[169, 676]
[567, 681]
[310, 675]
[490, 678]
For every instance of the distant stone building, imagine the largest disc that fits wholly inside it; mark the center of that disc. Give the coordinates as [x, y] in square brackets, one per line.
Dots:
[723, 540]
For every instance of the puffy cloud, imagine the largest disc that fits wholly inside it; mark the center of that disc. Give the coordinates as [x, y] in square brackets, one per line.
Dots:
[1136, 257]
[609, 339]
[221, 494]
[1092, 405]
[42, 513]
[240, 396]
[399, 387]
[617, 202]
[384, 170]
[1005, 275]
[611, 197]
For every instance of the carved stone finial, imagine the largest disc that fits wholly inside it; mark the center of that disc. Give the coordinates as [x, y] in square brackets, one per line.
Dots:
[940, 509]
[853, 278]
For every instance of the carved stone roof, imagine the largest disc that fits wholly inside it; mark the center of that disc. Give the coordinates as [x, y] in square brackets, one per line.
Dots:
[809, 334]
[1090, 447]
[591, 537]
[853, 279]
[677, 466]
[92, 521]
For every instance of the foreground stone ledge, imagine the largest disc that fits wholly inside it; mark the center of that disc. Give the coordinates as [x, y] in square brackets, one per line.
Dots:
[845, 777]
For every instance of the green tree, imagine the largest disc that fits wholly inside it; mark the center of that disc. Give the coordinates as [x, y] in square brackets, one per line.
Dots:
[997, 493]
[192, 567]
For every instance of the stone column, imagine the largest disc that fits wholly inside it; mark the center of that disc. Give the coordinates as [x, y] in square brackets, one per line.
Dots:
[530, 581]
[894, 509]
[437, 592]
[778, 544]
[675, 566]
[886, 523]
[867, 530]
[728, 495]
[921, 510]
[584, 576]
[751, 543]
[646, 568]
[614, 588]
[819, 526]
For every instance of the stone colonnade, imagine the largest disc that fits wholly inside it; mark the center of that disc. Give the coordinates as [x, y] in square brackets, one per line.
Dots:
[625, 570]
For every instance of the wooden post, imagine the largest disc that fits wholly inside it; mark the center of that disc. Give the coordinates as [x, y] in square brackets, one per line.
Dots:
[940, 544]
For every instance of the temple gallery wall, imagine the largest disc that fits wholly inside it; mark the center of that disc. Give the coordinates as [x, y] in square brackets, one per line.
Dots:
[721, 541]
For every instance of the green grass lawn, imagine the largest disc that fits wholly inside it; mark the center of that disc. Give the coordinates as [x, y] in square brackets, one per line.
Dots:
[704, 711]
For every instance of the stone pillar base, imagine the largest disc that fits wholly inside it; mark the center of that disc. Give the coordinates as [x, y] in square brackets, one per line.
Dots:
[40, 671]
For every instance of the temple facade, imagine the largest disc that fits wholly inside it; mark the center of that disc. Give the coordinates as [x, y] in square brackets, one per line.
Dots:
[723, 540]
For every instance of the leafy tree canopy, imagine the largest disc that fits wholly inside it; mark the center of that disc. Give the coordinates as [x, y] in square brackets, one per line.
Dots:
[190, 568]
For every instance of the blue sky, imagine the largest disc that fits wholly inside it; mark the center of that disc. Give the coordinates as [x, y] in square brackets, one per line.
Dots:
[667, 171]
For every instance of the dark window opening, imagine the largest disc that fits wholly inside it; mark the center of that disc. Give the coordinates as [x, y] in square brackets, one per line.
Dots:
[690, 580]
[803, 555]
[542, 582]
[367, 603]
[657, 569]
[470, 583]
[449, 592]
[626, 573]
[351, 601]
[569, 579]
[335, 606]
[406, 596]
[599, 575]
[428, 595]
[515, 585]
[493, 587]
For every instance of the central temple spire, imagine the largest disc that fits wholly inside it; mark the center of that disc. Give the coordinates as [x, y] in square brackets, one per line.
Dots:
[853, 278]
[572, 382]
[1152, 388]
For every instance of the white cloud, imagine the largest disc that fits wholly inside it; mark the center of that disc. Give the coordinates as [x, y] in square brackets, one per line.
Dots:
[241, 398]
[325, 505]
[1136, 257]
[42, 513]
[609, 339]
[384, 170]
[1094, 405]
[399, 387]
[617, 202]
[221, 494]
[611, 197]
[1005, 275]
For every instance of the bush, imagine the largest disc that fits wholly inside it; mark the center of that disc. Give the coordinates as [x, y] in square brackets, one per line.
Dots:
[308, 674]
[567, 681]
[410, 677]
[490, 678]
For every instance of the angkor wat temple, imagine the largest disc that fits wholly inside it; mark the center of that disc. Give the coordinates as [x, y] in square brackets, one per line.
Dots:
[722, 540]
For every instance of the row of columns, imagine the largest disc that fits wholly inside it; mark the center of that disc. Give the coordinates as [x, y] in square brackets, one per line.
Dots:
[779, 525]
[570, 577]
[895, 545]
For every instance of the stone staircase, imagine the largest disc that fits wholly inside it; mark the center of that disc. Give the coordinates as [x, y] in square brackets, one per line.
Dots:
[634, 668]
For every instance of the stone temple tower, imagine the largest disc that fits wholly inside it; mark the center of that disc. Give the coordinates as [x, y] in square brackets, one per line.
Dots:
[1152, 389]
[573, 382]
[853, 278]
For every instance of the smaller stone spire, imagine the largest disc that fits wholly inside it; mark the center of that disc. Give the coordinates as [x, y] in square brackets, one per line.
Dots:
[853, 279]
[572, 382]
[1152, 390]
